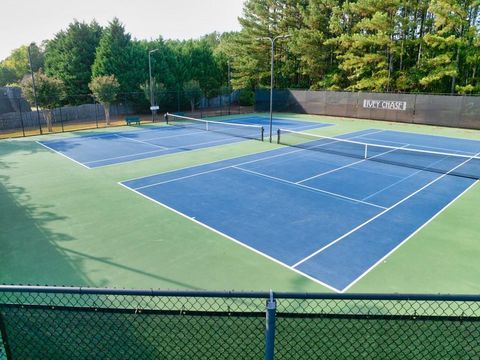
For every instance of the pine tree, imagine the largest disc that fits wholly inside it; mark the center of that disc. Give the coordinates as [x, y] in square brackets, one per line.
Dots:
[366, 51]
[69, 57]
[250, 56]
[118, 55]
[453, 33]
[316, 58]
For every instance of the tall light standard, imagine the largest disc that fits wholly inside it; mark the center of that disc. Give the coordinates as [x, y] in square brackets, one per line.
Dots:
[152, 102]
[229, 88]
[272, 40]
[34, 87]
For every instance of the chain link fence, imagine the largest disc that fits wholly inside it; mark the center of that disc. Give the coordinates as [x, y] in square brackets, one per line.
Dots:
[440, 110]
[19, 118]
[81, 323]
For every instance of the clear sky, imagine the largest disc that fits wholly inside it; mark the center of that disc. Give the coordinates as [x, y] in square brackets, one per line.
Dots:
[24, 21]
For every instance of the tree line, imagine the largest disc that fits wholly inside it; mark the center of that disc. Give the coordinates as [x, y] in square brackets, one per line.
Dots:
[357, 45]
[85, 51]
[361, 45]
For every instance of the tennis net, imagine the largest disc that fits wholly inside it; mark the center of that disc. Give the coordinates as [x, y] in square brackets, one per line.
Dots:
[238, 130]
[433, 161]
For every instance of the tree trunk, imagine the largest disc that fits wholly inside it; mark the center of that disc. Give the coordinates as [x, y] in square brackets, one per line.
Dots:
[454, 77]
[192, 105]
[106, 107]
[48, 119]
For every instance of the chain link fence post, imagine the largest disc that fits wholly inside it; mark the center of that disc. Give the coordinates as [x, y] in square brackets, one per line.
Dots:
[61, 118]
[270, 328]
[5, 352]
[21, 116]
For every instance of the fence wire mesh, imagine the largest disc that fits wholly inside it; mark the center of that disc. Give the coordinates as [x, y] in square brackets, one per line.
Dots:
[440, 110]
[80, 323]
[19, 118]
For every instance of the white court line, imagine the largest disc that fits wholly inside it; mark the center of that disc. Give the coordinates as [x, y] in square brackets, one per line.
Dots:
[296, 150]
[120, 133]
[215, 161]
[405, 178]
[408, 238]
[285, 118]
[349, 199]
[213, 170]
[436, 136]
[166, 149]
[174, 136]
[376, 216]
[126, 156]
[141, 141]
[93, 137]
[330, 171]
[232, 239]
[422, 146]
[176, 153]
[59, 153]
[346, 166]
[309, 127]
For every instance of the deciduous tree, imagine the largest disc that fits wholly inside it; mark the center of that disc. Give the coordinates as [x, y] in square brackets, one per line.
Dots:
[105, 90]
[50, 93]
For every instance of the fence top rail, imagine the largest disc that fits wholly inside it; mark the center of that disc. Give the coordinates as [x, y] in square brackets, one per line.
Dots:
[371, 92]
[235, 294]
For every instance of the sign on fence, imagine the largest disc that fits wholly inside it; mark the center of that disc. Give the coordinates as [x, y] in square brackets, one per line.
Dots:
[385, 104]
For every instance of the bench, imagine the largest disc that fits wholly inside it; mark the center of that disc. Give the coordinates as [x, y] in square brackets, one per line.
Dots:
[132, 120]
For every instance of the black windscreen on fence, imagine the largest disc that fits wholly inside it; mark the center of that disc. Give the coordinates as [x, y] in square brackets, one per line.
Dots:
[441, 110]
[19, 118]
[80, 323]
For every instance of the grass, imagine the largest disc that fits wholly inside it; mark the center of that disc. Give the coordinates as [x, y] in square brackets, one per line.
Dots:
[62, 224]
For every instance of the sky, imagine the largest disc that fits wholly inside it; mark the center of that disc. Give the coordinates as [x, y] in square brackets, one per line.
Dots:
[26, 21]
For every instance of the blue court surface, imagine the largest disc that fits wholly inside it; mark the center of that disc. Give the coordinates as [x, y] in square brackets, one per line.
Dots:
[329, 217]
[110, 148]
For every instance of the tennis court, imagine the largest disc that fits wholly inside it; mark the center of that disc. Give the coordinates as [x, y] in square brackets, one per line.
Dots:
[186, 134]
[330, 209]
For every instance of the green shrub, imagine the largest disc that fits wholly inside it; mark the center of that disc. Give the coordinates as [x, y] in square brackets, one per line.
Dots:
[246, 97]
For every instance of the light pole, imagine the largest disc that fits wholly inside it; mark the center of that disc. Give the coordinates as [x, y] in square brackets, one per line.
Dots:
[152, 102]
[272, 40]
[229, 89]
[34, 87]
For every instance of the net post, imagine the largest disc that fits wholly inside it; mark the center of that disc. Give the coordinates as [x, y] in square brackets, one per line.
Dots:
[271, 309]
[165, 116]
[278, 136]
[262, 134]
[365, 156]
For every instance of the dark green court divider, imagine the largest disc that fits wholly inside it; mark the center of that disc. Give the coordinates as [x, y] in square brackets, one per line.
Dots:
[85, 323]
